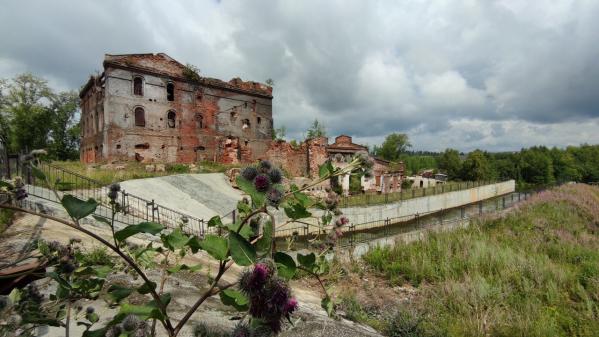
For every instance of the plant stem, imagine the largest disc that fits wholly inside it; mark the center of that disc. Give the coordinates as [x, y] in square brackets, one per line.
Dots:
[317, 277]
[68, 321]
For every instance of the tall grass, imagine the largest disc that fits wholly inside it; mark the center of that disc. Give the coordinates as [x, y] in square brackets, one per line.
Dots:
[534, 272]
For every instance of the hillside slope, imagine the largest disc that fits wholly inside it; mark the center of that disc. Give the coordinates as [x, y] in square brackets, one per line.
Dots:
[532, 272]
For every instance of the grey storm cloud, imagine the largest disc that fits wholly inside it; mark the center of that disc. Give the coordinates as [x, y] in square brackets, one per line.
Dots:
[492, 74]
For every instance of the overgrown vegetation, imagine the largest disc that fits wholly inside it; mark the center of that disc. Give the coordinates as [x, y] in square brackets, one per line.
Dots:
[6, 217]
[534, 272]
[120, 172]
[33, 116]
[261, 292]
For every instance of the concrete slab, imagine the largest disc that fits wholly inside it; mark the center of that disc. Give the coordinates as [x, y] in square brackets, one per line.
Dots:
[199, 195]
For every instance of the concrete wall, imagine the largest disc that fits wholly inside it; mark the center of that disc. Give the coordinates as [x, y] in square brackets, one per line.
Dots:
[410, 207]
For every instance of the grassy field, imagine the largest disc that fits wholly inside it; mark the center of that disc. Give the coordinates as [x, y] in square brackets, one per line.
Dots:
[533, 272]
[135, 170]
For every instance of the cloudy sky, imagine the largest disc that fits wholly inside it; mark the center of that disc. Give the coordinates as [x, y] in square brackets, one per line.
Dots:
[496, 75]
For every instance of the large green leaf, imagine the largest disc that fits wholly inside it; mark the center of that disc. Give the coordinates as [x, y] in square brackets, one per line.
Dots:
[144, 312]
[95, 333]
[264, 244]
[306, 261]
[325, 169]
[246, 230]
[301, 197]
[78, 208]
[297, 211]
[175, 240]
[179, 267]
[285, 265]
[235, 299]
[216, 246]
[144, 227]
[215, 221]
[146, 288]
[242, 252]
[38, 173]
[101, 219]
[248, 187]
[328, 306]
[117, 293]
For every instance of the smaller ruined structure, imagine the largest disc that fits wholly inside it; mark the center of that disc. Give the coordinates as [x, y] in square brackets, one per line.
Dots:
[305, 158]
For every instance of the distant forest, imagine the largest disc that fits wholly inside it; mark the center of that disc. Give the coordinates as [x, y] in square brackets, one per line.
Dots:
[531, 167]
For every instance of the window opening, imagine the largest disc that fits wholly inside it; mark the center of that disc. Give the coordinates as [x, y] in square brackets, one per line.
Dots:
[138, 86]
[170, 92]
[171, 117]
[140, 118]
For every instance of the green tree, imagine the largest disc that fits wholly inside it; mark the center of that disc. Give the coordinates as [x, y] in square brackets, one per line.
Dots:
[564, 166]
[64, 133]
[476, 167]
[316, 130]
[394, 145]
[536, 167]
[279, 133]
[587, 161]
[450, 163]
[26, 112]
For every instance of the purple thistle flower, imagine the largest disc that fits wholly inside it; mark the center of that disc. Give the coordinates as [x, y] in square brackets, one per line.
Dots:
[241, 330]
[274, 197]
[262, 183]
[252, 282]
[291, 306]
[249, 173]
[275, 176]
[265, 166]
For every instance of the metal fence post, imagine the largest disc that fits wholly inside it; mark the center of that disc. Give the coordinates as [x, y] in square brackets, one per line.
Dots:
[306, 243]
[503, 199]
[234, 216]
[462, 212]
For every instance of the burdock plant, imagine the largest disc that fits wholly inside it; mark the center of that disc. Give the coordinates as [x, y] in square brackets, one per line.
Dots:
[262, 290]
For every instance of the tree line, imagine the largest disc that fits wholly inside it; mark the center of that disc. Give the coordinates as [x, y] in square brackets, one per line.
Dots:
[33, 116]
[530, 167]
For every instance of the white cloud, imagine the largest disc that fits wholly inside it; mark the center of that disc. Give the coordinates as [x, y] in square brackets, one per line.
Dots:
[490, 74]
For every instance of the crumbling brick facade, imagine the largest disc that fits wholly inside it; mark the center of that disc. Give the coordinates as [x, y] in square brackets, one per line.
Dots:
[151, 108]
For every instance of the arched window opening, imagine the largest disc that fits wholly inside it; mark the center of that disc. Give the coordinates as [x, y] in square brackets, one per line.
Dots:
[171, 117]
[140, 117]
[258, 120]
[200, 121]
[170, 91]
[246, 124]
[138, 86]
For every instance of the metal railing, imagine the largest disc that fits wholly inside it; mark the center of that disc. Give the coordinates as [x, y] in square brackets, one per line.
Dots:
[134, 209]
[376, 229]
[368, 199]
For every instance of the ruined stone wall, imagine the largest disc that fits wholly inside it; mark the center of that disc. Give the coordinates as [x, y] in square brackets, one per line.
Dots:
[92, 122]
[291, 159]
[214, 124]
[317, 154]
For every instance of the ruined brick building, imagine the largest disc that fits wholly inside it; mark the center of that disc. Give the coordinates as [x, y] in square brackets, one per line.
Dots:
[151, 108]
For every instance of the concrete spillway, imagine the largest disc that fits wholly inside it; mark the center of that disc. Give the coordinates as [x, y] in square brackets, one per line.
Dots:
[199, 195]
